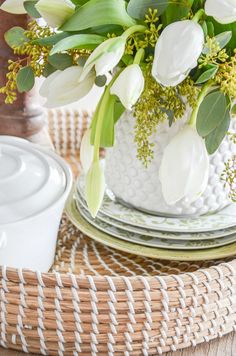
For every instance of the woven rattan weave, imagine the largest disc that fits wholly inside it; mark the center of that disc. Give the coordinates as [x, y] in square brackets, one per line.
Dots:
[100, 301]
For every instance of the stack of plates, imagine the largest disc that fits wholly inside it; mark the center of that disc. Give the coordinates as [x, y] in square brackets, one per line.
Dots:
[127, 229]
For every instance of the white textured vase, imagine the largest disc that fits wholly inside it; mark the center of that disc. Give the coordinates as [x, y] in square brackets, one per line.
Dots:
[140, 187]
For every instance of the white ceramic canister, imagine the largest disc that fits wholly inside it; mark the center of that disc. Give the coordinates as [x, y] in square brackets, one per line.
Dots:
[34, 186]
[140, 187]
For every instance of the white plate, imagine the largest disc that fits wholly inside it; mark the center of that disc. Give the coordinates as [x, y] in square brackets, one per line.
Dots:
[153, 241]
[223, 219]
[155, 233]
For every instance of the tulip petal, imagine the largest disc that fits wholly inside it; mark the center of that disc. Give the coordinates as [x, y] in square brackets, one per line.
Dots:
[95, 188]
[177, 51]
[45, 87]
[129, 86]
[64, 87]
[105, 57]
[86, 152]
[55, 12]
[184, 169]
[174, 170]
[198, 178]
[14, 7]
[224, 11]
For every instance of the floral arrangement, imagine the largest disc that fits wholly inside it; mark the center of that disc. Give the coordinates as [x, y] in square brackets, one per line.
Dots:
[155, 57]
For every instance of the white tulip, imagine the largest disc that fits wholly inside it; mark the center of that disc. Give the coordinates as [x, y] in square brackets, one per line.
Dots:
[184, 169]
[177, 51]
[55, 12]
[129, 85]
[86, 152]
[14, 7]
[223, 11]
[105, 57]
[95, 187]
[64, 87]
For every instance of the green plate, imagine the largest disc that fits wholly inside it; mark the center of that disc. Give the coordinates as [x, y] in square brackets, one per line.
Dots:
[156, 253]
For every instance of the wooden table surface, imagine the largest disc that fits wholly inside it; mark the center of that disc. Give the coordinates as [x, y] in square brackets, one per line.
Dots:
[225, 346]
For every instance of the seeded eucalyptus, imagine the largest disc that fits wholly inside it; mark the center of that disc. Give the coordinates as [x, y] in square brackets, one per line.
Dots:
[157, 104]
[229, 177]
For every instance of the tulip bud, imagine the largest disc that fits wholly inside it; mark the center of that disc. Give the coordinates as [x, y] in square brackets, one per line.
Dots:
[184, 169]
[105, 57]
[95, 188]
[55, 12]
[14, 7]
[86, 152]
[223, 11]
[129, 86]
[177, 51]
[63, 87]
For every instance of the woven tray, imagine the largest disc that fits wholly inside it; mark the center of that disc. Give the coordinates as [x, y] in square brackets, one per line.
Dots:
[100, 301]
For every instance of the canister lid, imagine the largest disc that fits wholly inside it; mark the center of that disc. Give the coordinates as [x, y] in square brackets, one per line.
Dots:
[30, 179]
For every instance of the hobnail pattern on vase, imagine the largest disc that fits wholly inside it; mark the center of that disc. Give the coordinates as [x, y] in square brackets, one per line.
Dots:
[140, 187]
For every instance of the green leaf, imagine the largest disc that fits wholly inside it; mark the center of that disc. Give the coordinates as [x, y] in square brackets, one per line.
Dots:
[119, 110]
[31, 9]
[208, 74]
[139, 8]
[99, 13]
[176, 11]
[210, 29]
[197, 5]
[15, 37]
[105, 29]
[219, 28]
[79, 2]
[214, 139]
[51, 40]
[107, 132]
[25, 79]
[78, 41]
[60, 61]
[211, 113]
[223, 38]
[48, 70]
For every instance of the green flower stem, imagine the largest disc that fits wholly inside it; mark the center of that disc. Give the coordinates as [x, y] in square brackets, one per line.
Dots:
[139, 56]
[197, 17]
[201, 96]
[133, 29]
[100, 112]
